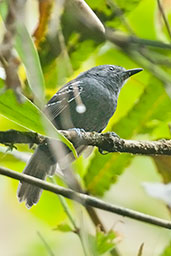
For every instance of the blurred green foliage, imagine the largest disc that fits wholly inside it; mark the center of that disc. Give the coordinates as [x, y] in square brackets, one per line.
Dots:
[167, 251]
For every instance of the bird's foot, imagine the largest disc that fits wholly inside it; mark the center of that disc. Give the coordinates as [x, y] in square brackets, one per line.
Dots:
[103, 152]
[79, 131]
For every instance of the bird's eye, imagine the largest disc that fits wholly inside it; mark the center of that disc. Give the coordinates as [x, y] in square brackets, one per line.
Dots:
[111, 68]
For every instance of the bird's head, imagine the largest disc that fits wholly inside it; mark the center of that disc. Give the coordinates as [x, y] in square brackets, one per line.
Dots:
[112, 76]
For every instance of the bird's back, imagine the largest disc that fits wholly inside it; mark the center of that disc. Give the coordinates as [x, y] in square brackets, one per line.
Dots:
[98, 101]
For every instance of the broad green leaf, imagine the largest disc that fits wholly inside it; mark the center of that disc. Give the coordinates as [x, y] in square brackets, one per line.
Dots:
[144, 25]
[160, 130]
[29, 56]
[152, 105]
[103, 170]
[28, 116]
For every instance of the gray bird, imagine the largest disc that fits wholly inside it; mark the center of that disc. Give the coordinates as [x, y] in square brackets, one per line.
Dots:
[87, 102]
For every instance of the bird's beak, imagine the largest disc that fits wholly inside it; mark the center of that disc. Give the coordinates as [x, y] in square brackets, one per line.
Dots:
[131, 72]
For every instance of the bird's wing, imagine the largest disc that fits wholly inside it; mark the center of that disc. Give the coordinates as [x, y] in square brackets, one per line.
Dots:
[63, 97]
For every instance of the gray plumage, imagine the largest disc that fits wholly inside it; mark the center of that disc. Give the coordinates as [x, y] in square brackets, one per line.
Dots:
[96, 91]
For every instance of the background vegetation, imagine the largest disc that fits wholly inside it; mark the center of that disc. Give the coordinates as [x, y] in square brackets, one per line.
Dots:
[68, 41]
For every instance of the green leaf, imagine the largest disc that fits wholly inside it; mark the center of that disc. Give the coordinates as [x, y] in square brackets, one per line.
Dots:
[143, 25]
[64, 227]
[127, 6]
[167, 251]
[30, 59]
[152, 105]
[29, 116]
[103, 171]
[3, 9]
[102, 242]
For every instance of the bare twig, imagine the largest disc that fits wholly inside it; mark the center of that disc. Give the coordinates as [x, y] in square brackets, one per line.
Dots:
[124, 41]
[164, 18]
[85, 199]
[50, 252]
[76, 229]
[7, 58]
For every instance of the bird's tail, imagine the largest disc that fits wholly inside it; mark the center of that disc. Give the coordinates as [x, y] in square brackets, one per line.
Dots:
[40, 165]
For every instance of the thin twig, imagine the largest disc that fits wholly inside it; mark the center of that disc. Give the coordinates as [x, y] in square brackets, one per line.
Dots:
[126, 42]
[45, 244]
[164, 18]
[76, 229]
[65, 207]
[85, 199]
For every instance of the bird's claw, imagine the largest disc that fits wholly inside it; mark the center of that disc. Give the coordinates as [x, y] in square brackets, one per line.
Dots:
[103, 152]
[10, 146]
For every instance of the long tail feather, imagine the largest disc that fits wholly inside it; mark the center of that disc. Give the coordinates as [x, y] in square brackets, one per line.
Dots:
[39, 166]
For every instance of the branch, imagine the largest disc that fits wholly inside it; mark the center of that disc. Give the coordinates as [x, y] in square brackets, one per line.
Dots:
[85, 199]
[128, 42]
[87, 15]
[104, 141]
[164, 17]
[9, 62]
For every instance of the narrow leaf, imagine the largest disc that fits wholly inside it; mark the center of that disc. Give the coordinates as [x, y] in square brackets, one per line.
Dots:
[28, 116]
[29, 56]
[64, 227]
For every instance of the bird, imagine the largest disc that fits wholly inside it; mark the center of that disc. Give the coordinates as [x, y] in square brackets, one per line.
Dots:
[85, 103]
